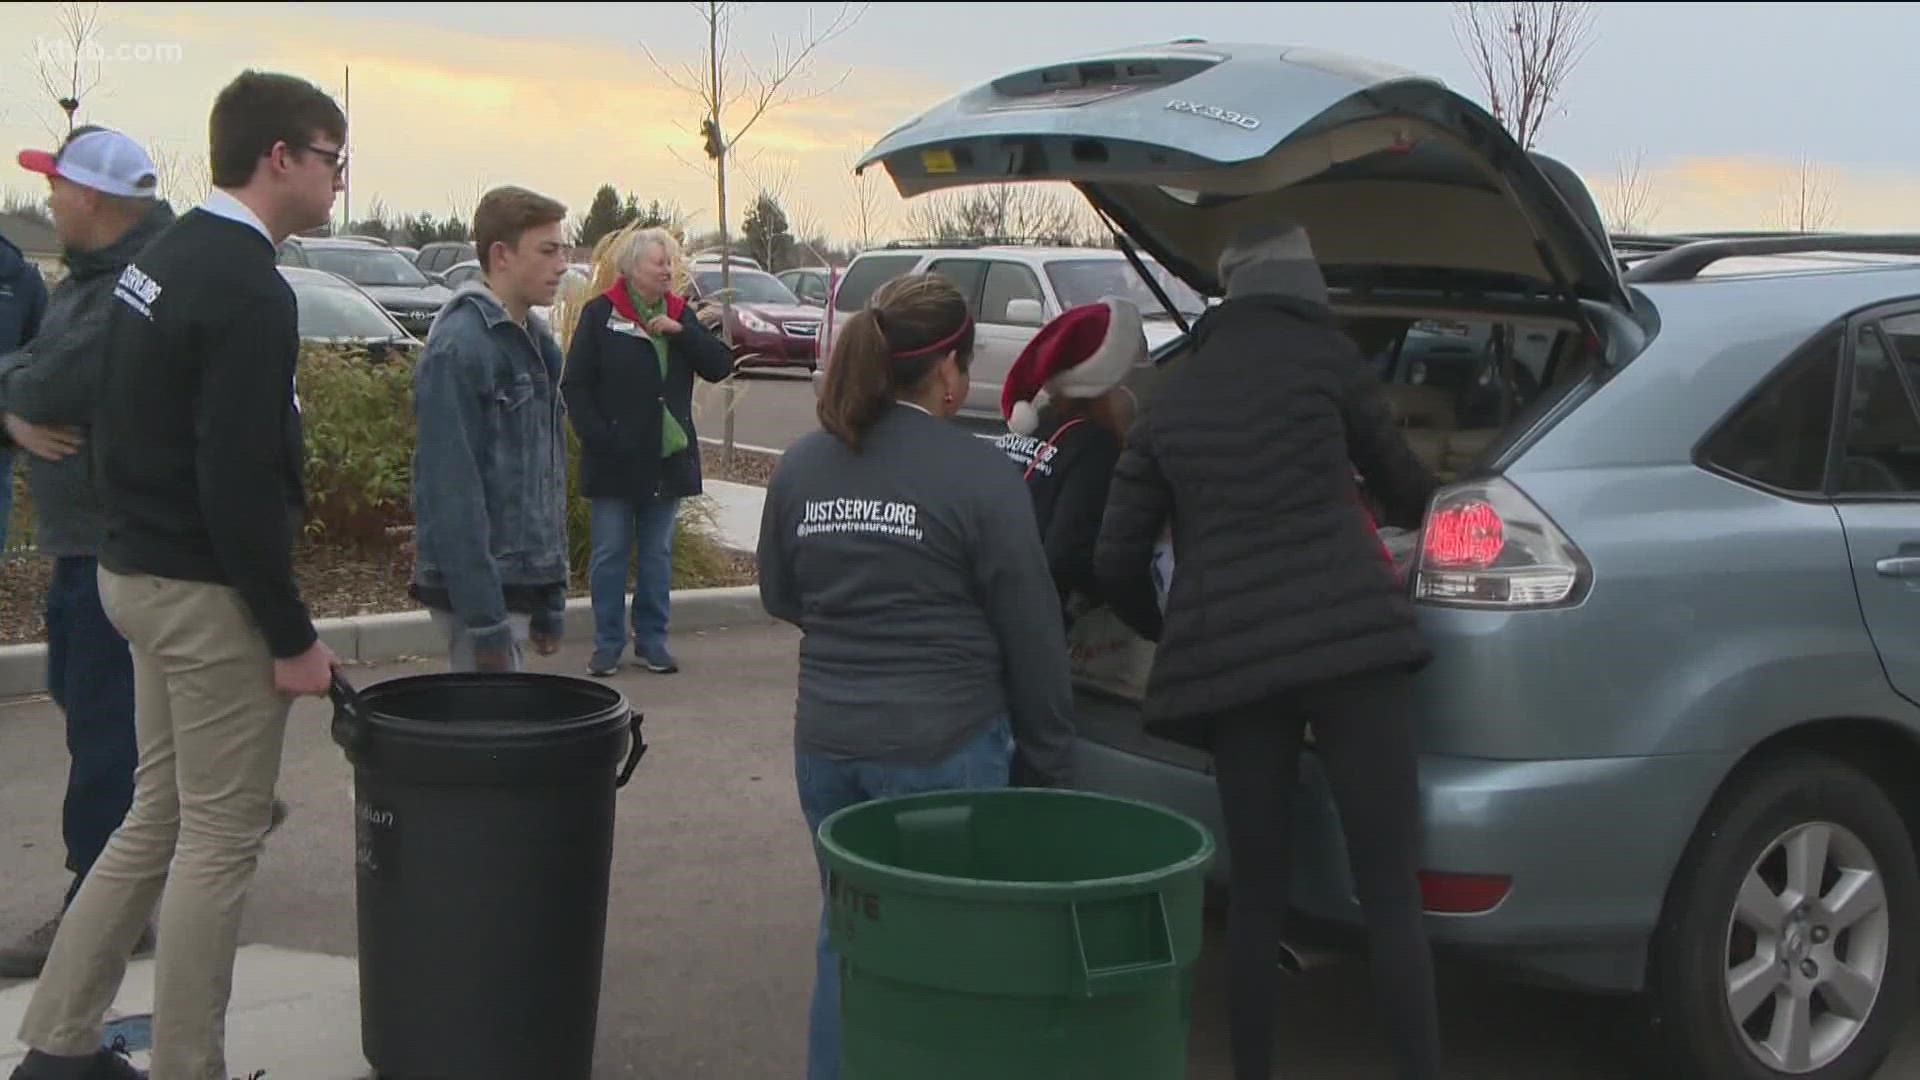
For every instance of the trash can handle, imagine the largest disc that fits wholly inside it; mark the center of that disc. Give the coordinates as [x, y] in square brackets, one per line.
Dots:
[349, 713]
[634, 754]
[1131, 976]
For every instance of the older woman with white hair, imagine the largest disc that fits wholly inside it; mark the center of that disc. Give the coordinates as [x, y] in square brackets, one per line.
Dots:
[629, 391]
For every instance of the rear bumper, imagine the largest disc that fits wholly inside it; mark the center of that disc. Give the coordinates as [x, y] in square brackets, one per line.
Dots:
[1588, 844]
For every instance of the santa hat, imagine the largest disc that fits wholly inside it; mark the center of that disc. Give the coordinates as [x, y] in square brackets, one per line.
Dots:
[1084, 353]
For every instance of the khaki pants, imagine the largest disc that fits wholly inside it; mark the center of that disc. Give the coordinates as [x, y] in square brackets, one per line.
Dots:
[210, 727]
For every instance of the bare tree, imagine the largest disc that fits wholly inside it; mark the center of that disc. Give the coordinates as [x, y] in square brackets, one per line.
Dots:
[69, 67]
[185, 177]
[805, 227]
[869, 211]
[1628, 202]
[1020, 212]
[22, 204]
[1522, 53]
[734, 93]
[1806, 199]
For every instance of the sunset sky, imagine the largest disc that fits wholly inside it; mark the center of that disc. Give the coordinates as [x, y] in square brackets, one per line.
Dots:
[1722, 103]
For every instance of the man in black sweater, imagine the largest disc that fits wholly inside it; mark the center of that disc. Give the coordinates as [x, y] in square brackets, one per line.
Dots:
[197, 458]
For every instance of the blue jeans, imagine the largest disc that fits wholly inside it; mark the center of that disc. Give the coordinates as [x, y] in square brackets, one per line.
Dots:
[90, 676]
[619, 525]
[827, 786]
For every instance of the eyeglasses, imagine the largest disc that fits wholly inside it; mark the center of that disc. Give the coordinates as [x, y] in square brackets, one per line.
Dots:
[336, 156]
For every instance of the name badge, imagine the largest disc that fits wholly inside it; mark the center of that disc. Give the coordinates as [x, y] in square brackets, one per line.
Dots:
[619, 324]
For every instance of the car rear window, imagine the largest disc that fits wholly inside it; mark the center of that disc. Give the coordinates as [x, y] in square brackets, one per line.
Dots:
[867, 275]
[337, 311]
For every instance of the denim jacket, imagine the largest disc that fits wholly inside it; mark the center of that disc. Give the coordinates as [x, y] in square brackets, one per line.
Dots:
[490, 467]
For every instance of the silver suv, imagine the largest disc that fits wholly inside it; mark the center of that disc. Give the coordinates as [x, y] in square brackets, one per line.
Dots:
[1670, 740]
[1013, 290]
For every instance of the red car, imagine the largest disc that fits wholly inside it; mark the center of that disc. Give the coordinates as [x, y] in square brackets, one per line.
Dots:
[770, 327]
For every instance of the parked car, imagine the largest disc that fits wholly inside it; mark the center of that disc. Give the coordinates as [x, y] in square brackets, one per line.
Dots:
[712, 256]
[442, 255]
[461, 274]
[812, 284]
[334, 310]
[1670, 740]
[1013, 290]
[770, 327]
[384, 273]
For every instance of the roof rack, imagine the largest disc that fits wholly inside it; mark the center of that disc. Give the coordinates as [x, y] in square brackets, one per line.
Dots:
[970, 242]
[1686, 261]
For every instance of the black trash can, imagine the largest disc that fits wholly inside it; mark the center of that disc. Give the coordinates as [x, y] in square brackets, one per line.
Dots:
[483, 812]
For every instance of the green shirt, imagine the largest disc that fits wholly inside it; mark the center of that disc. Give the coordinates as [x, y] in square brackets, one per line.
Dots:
[673, 437]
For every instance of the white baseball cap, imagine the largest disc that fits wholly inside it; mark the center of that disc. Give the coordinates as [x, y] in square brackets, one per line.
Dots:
[99, 158]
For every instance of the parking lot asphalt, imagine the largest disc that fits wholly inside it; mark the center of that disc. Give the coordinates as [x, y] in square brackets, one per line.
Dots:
[714, 900]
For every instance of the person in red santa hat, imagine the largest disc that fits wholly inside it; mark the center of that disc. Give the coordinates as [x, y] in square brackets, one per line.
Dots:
[1067, 415]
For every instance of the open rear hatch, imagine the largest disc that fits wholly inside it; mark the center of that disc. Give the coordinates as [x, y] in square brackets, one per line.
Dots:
[1417, 203]
[1400, 182]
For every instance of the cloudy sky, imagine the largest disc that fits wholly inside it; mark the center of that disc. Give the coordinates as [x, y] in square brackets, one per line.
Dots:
[1722, 103]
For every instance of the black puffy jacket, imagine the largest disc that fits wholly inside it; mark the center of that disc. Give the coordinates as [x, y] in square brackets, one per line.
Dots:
[1249, 447]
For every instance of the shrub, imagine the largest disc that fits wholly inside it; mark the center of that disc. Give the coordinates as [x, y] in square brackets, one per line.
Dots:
[698, 557]
[357, 418]
[358, 421]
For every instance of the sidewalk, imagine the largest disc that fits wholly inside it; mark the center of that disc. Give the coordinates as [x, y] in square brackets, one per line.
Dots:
[736, 512]
[297, 1014]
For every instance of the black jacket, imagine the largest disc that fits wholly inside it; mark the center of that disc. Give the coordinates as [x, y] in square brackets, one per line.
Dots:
[613, 391]
[23, 299]
[1249, 446]
[197, 443]
[56, 380]
[1068, 468]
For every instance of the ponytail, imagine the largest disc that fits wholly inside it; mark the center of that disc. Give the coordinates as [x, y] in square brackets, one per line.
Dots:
[889, 349]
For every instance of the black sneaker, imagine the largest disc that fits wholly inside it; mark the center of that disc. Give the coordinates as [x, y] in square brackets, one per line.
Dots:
[604, 665]
[115, 1063]
[109, 1063]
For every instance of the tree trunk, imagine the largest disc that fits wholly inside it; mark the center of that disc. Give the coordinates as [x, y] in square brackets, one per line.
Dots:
[727, 388]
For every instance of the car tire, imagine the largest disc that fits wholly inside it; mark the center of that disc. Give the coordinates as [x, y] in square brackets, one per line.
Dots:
[1768, 825]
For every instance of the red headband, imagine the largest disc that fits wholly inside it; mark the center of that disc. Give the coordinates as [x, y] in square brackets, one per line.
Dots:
[937, 347]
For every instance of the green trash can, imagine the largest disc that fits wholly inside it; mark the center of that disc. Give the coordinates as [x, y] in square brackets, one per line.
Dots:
[1014, 934]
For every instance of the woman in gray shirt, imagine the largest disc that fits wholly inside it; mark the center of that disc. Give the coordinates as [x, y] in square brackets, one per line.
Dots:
[905, 550]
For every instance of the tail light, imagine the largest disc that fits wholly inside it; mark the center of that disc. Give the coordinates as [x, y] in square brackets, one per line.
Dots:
[1462, 894]
[1487, 545]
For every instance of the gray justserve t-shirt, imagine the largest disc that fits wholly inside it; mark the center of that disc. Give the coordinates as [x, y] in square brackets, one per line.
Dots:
[916, 573]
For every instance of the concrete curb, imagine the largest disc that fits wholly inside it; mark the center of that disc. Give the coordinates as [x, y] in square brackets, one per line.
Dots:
[371, 639]
[748, 447]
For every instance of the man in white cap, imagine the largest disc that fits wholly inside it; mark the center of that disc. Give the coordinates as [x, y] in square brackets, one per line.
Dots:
[1068, 411]
[102, 191]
